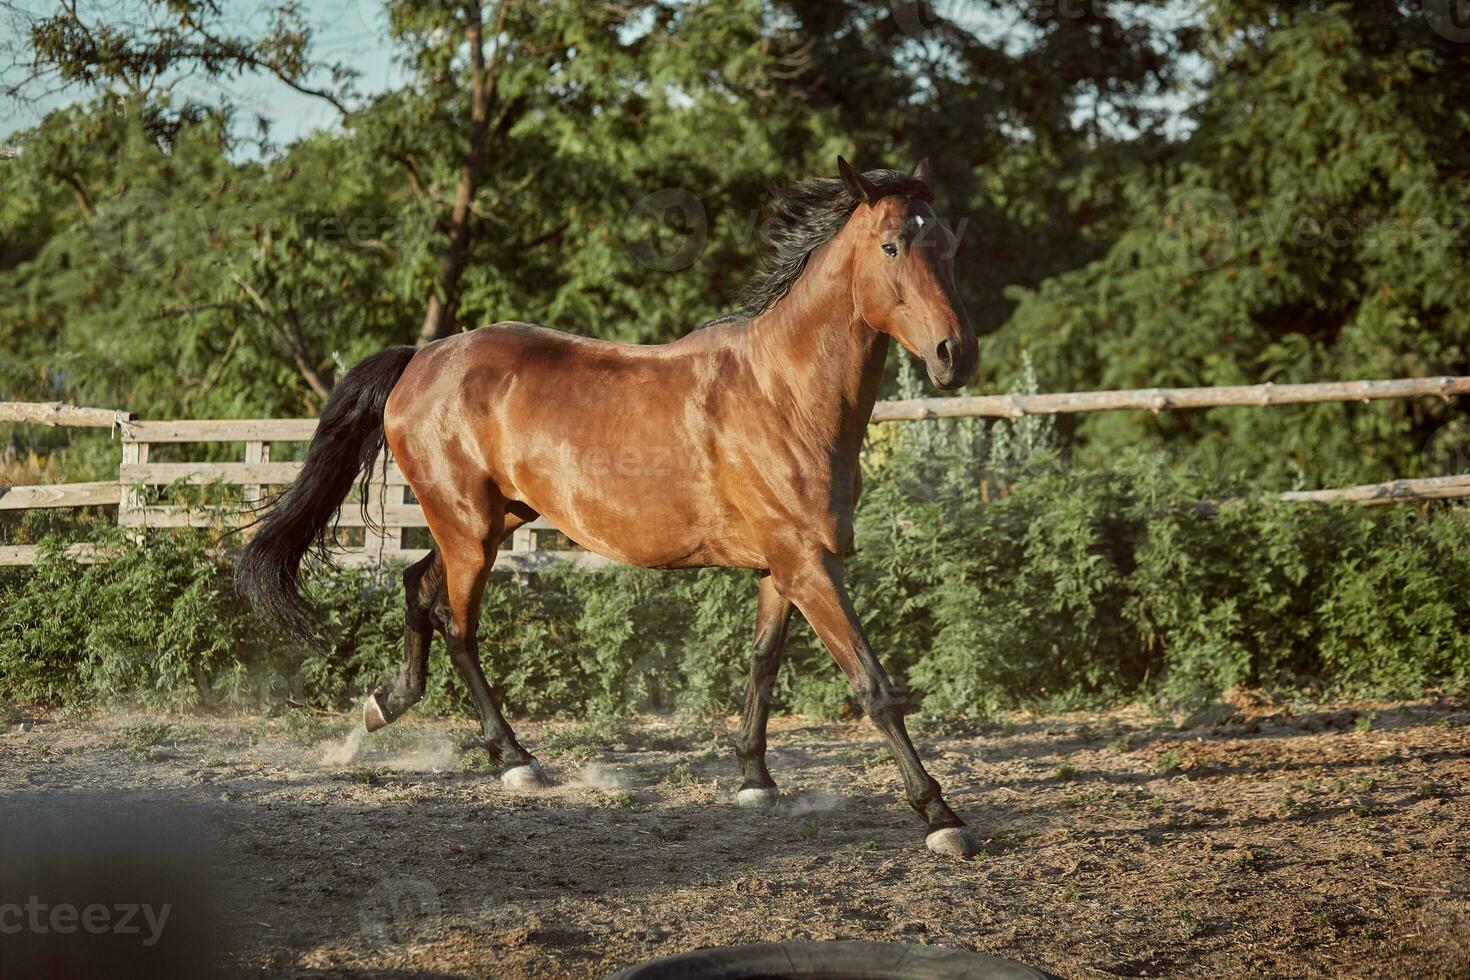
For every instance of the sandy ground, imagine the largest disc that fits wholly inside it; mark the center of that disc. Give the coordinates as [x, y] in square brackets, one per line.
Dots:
[1262, 840]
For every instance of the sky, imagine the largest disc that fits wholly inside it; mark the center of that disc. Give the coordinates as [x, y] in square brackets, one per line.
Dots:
[352, 31]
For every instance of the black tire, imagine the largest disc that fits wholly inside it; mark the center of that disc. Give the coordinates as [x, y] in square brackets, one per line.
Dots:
[831, 961]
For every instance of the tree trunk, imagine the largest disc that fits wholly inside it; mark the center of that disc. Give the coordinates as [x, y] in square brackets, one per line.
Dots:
[439, 319]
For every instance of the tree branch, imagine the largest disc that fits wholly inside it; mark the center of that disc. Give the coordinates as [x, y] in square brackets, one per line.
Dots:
[80, 193]
[414, 180]
[323, 94]
[547, 236]
[290, 331]
[297, 342]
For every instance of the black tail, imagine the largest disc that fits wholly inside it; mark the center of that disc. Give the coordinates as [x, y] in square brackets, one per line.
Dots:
[346, 444]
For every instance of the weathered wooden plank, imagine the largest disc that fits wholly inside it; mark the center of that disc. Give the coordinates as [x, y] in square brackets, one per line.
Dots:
[357, 559]
[506, 561]
[396, 517]
[60, 413]
[223, 430]
[1008, 406]
[38, 496]
[27, 554]
[530, 561]
[242, 474]
[1159, 399]
[1397, 491]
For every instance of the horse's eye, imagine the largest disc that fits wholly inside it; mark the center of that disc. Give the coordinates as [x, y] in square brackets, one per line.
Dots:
[890, 249]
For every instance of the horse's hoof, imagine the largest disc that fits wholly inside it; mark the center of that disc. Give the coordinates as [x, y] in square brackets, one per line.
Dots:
[528, 776]
[373, 716]
[757, 797]
[953, 842]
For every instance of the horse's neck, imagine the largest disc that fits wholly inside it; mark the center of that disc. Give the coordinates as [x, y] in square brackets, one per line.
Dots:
[816, 356]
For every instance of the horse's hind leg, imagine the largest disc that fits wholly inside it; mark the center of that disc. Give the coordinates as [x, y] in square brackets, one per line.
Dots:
[773, 613]
[422, 582]
[467, 561]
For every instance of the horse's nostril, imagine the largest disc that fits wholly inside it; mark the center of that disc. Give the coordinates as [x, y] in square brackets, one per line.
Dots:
[945, 353]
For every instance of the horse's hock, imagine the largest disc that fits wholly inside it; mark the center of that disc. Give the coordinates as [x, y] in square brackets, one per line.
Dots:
[832, 961]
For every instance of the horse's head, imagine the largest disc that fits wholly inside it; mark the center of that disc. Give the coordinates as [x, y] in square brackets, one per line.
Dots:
[903, 277]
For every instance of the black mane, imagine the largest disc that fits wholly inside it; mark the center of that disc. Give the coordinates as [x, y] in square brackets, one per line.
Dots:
[804, 217]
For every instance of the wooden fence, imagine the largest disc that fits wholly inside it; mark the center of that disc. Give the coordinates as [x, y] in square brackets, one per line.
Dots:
[392, 511]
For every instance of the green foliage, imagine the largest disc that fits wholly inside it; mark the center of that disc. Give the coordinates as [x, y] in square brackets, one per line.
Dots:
[1030, 584]
[157, 625]
[157, 257]
[1311, 228]
[140, 737]
[1166, 762]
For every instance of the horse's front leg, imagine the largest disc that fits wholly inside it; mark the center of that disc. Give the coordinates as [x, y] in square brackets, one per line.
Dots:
[814, 584]
[773, 613]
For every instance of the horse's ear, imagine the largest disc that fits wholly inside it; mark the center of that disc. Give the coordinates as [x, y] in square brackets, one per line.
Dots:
[859, 186]
[924, 173]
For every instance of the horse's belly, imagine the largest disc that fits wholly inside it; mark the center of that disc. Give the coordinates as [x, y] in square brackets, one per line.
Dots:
[650, 523]
[655, 540]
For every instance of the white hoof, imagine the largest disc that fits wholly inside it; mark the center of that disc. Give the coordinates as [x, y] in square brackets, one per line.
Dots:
[757, 797]
[524, 777]
[953, 842]
[372, 714]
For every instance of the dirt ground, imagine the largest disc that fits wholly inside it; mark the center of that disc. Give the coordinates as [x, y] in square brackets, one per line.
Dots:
[1259, 840]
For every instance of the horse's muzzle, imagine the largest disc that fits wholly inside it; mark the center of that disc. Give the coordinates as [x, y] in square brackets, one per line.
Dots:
[952, 362]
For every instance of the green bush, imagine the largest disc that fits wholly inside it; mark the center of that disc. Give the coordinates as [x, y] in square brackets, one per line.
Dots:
[989, 573]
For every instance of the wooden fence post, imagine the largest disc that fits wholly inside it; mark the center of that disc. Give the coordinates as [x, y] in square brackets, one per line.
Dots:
[255, 452]
[378, 540]
[130, 508]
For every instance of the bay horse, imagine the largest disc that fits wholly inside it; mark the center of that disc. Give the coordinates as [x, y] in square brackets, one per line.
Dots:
[736, 445]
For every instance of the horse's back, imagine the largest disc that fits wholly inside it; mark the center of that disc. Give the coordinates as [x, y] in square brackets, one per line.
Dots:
[612, 442]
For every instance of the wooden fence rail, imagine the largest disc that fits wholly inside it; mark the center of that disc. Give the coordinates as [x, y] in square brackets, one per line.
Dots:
[60, 413]
[1159, 399]
[391, 511]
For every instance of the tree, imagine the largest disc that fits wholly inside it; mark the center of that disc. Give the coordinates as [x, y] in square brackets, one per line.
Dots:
[606, 170]
[1312, 228]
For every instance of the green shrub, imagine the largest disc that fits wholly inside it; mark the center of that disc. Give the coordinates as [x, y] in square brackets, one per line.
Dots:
[990, 576]
[157, 625]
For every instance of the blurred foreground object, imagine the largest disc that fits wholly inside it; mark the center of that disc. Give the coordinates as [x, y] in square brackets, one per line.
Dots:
[103, 885]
